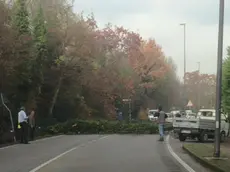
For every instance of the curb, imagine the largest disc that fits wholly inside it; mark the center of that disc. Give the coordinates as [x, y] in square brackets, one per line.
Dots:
[176, 157]
[203, 162]
[39, 138]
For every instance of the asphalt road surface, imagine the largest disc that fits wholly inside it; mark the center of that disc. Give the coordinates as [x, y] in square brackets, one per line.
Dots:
[176, 145]
[87, 153]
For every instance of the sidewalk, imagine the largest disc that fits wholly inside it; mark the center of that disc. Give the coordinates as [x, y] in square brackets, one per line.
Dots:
[203, 153]
[226, 144]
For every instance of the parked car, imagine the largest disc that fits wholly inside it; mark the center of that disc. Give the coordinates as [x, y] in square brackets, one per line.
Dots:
[151, 114]
[170, 117]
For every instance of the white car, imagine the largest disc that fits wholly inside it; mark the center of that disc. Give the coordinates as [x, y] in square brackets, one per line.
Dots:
[170, 117]
[151, 114]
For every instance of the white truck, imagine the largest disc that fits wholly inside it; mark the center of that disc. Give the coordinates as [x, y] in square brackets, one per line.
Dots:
[201, 127]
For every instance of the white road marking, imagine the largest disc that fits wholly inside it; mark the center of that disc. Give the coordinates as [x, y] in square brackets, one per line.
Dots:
[39, 140]
[64, 153]
[184, 164]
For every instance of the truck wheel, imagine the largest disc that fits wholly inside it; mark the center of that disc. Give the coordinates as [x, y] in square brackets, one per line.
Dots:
[193, 138]
[203, 137]
[222, 136]
[182, 138]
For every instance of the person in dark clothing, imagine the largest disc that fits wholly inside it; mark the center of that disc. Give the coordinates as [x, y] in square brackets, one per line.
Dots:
[22, 120]
[161, 121]
[32, 124]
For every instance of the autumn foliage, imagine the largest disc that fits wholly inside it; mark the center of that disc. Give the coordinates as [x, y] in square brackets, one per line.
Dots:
[69, 67]
[201, 89]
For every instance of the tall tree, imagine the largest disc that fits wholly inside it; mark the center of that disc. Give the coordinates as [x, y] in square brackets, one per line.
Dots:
[20, 23]
[68, 67]
[40, 55]
[200, 89]
[226, 83]
[21, 17]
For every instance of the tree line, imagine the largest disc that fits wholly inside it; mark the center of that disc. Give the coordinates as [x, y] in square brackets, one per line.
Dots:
[65, 66]
[200, 89]
[226, 84]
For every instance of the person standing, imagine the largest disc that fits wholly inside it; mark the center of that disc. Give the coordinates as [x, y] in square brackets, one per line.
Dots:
[32, 124]
[161, 122]
[22, 120]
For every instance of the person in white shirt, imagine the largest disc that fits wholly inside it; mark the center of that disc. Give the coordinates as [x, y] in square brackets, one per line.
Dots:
[22, 120]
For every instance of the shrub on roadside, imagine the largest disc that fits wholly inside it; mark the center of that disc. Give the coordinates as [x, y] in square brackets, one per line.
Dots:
[104, 127]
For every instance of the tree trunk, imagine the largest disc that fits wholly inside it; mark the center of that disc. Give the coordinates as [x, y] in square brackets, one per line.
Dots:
[55, 96]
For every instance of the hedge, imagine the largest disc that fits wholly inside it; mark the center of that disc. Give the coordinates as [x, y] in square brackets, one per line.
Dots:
[103, 127]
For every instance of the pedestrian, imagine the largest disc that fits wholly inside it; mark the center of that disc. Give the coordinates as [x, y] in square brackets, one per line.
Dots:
[161, 122]
[22, 120]
[120, 116]
[32, 124]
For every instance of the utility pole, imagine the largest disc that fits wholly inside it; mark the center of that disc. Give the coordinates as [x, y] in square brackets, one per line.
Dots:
[184, 26]
[198, 102]
[219, 79]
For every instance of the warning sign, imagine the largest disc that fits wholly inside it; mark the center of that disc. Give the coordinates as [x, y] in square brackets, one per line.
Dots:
[189, 103]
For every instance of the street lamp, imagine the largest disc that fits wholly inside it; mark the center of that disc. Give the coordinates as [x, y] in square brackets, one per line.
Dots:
[184, 26]
[198, 85]
[219, 79]
[198, 63]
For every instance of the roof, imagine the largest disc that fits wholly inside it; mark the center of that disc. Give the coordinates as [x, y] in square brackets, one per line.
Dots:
[202, 110]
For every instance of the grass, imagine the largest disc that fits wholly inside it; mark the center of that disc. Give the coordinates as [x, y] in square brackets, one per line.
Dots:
[200, 151]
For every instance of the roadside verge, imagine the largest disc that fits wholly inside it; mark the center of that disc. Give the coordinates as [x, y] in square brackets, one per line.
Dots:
[203, 154]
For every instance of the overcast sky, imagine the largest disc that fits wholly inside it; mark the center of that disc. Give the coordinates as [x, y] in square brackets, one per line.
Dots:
[160, 19]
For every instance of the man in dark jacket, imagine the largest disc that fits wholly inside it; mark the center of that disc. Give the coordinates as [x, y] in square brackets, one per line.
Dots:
[161, 121]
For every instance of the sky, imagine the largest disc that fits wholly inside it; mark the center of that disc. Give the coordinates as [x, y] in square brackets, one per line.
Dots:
[160, 19]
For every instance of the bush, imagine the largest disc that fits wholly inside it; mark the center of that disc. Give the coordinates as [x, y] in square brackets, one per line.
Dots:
[104, 127]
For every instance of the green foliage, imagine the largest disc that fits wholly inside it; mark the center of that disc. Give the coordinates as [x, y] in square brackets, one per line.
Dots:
[40, 46]
[226, 84]
[104, 127]
[21, 17]
[40, 37]
[66, 67]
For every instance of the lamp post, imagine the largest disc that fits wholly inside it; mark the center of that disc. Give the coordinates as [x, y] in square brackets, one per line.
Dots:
[184, 26]
[198, 85]
[219, 79]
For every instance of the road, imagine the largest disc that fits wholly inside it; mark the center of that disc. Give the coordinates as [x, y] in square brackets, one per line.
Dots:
[87, 153]
[176, 145]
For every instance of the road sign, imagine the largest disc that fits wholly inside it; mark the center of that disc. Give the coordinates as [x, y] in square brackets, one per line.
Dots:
[126, 100]
[189, 103]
